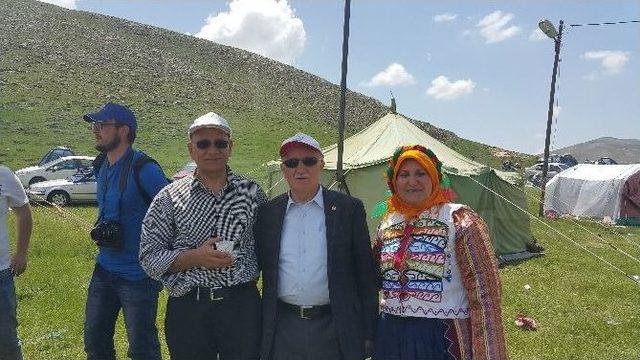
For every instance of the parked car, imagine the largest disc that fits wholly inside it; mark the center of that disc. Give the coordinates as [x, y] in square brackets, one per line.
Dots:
[553, 169]
[57, 169]
[55, 153]
[80, 187]
[566, 159]
[188, 169]
[605, 161]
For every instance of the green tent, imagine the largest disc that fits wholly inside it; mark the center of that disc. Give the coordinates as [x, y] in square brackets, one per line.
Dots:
[366, 156]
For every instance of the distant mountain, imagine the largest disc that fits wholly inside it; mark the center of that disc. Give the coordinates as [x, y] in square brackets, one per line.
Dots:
[623, 151]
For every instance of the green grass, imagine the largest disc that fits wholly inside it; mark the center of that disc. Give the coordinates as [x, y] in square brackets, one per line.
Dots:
[584, 309]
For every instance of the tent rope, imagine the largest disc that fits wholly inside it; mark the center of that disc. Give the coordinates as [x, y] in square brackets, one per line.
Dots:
[336, 181]
[64, 214]
[274, 185]
[637, 282]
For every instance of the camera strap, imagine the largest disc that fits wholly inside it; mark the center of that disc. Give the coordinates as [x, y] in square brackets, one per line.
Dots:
[122, 184]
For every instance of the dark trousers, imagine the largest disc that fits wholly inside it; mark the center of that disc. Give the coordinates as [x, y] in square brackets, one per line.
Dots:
[9, 343]
[109, 293]
[203, 325]
[305, 339]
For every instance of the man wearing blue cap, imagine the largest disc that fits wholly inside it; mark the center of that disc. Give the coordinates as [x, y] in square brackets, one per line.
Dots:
[127, 180]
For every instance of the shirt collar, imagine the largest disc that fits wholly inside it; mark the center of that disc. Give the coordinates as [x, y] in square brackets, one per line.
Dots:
[318, 199]
[231, 179]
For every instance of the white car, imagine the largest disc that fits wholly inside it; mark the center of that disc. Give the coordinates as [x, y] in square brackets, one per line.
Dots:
[80, 187]
[60, 168]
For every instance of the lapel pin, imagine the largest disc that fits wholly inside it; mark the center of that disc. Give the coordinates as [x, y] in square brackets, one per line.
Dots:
[333, 208]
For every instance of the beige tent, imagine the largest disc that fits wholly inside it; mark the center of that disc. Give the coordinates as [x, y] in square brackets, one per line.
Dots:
[366, 155]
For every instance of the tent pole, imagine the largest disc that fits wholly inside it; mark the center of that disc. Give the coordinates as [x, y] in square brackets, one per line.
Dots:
[342, 184]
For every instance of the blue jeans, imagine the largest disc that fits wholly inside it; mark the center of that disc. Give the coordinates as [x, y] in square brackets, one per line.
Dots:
[139, 302]
[9, 343]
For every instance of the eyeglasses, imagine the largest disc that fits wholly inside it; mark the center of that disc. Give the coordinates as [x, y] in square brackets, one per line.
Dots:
[206, 143]
[306, 161]
[98, 126]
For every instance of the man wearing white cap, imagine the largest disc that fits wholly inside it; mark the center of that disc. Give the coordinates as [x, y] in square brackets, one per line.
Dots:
[320, 293]
[197, 239]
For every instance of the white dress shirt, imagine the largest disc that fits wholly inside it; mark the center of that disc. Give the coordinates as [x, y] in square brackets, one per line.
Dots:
[302, 270]
[12, 195]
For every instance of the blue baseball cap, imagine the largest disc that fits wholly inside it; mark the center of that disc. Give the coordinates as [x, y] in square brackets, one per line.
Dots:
[110, 111]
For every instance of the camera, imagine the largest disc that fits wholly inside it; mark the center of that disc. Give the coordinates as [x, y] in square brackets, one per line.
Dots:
[108, 234]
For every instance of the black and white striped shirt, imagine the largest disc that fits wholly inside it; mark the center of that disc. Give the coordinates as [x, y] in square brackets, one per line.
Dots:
[184, 215]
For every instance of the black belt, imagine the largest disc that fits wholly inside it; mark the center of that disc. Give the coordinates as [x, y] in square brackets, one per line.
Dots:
[306, 312]
[218, 293]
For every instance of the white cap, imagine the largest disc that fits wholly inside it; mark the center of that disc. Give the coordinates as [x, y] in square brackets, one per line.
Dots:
[299, 139]
[210, 120]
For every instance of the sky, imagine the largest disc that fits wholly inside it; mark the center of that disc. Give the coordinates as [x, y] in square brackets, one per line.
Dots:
[481, 69]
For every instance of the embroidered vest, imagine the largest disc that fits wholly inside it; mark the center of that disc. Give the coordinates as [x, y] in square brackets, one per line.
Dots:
[420, 275]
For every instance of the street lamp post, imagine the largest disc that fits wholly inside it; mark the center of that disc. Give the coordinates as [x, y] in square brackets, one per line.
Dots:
[547, 27]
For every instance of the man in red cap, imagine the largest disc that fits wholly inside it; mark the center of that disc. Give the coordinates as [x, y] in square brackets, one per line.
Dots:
[320, 296]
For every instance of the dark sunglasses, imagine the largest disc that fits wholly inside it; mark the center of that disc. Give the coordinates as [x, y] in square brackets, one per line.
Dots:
[206, 143]
[307, 161]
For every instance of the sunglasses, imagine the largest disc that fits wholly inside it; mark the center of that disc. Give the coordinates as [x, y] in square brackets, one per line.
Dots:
[206, 143]
[306, 161]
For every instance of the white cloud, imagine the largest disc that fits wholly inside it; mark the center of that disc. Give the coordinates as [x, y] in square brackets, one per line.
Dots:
[494, 27]
[556, 111]
[395, 74]
[443, 89]
[445, 17]
[611, 61]
[69, 4]
[538, 35]
[267, 27]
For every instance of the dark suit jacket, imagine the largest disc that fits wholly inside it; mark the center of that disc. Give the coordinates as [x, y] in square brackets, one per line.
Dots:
[353, 288]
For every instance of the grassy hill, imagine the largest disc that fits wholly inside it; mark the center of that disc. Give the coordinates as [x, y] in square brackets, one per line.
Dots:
[57, 64]
[623, 151]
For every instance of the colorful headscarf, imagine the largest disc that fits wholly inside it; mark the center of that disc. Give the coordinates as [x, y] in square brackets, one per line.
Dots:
[440, 193]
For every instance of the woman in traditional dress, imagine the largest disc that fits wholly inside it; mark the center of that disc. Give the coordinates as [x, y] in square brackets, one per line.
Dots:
[440, 282]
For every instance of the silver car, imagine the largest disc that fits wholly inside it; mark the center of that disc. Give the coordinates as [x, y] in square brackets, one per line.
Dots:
[80, 187]
[60, 168]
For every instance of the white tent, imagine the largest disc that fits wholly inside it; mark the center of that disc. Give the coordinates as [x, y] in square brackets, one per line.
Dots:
[596, 191]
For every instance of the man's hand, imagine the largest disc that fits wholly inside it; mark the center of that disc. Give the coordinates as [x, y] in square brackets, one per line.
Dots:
[18, 264]
[207, 256]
